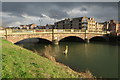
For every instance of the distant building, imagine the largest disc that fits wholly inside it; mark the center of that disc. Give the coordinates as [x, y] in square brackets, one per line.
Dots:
[119, 27]
[41, 27]
[105, 26]
[94, 26]
[80, 23]
[114, 27]
[100, 27]
[49, 26]
[11, 27]
[24, 27]
[30, 26]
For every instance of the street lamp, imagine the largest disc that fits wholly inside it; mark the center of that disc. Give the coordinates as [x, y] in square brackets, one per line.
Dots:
[40, 20]
[85, 27]
[85, 30]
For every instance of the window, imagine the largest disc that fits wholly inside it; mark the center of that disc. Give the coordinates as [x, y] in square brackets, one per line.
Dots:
[84, 20]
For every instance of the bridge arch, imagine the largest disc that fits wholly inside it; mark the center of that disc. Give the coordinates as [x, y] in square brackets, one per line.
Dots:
[17, 38]
[34, 40]
[72, 38]
[98, 38]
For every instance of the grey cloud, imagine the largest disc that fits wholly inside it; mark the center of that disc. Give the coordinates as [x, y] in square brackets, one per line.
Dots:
[83, 9]
[58, 10]
[37, 8]
[57, 14]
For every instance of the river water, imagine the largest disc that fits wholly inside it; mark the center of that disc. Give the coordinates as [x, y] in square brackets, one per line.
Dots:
[99, 57]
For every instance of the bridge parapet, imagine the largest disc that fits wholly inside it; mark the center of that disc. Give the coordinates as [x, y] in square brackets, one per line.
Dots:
[38, 31]
[15, 35]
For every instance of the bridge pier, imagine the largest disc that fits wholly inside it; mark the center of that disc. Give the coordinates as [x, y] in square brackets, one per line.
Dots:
[87, 40]
[55, 41]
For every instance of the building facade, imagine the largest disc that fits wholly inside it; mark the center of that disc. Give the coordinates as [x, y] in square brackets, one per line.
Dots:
[30, 26]
[112, 26]
[83, 23]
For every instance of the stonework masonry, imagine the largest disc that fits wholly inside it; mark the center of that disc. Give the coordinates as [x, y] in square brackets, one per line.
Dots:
[50, 35]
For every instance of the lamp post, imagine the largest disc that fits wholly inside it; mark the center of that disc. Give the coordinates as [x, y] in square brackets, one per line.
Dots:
[52, 32]
[85, 30]
[6, 33]
[85, 27]
[40, 21]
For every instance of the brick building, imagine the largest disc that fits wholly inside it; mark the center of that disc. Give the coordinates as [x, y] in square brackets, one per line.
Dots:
[114, 27]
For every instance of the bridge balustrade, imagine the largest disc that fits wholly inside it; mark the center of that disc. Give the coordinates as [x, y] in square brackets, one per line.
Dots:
[67, 30]
[21, 31]
[37, 31]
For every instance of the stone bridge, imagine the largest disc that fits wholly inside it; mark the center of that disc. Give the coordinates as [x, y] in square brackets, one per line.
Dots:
[53, 35]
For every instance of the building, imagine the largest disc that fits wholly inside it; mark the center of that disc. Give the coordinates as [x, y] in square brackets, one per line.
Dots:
[92, 25]
[49, 26]
[99, 27]
[82, 23]
[24, 26]
[63, 24]
[105, 26]
[30, 26]
[112, 26]
[118, 29]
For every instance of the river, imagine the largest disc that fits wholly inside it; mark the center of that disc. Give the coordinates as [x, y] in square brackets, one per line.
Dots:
[99, 57]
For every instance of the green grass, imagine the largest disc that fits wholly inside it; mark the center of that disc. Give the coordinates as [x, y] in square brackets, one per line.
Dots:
[18, 62]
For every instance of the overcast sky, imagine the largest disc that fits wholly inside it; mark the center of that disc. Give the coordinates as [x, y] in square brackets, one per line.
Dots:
[18, 13]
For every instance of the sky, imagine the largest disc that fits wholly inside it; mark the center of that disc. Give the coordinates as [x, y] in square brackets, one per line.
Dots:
[42, 13]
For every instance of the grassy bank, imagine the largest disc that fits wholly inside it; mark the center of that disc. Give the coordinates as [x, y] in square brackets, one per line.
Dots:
[18, 62]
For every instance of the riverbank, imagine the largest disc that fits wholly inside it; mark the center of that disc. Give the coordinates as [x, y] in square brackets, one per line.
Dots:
[18, 62]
